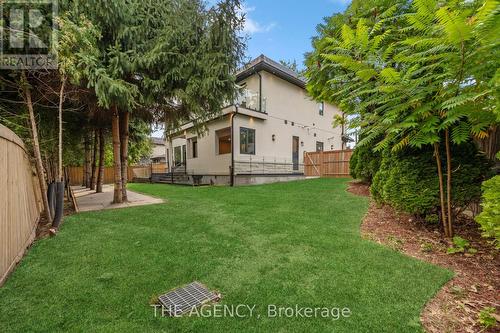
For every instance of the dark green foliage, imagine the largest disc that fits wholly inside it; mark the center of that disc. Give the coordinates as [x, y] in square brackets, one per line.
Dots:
[408, 180]
[489, 219]
[364, 163]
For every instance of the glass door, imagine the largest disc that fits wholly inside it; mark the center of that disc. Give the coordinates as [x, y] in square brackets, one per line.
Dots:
[295, 153]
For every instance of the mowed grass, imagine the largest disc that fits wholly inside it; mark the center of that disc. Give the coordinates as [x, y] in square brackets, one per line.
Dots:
[281, 244]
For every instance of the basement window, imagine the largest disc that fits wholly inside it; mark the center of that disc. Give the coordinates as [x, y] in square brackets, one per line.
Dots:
[183, 300]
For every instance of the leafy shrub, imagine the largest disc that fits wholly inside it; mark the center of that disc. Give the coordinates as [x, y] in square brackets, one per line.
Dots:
[353, 163]
[460, 245]
[489, 219]
[364, 163]
[408, 180]
[486, 318]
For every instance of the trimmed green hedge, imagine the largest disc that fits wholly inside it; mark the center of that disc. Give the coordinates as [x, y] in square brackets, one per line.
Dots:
[408, 180]
[364, 163]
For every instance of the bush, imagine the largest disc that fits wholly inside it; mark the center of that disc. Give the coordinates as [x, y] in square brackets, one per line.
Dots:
[364, 163]
[408, 180]
[489, 219]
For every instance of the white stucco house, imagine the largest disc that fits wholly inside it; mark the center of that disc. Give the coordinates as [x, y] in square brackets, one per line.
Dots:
[261, 137]
[158, 152]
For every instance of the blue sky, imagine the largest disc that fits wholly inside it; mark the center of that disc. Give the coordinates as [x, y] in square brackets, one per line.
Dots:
[282, 29]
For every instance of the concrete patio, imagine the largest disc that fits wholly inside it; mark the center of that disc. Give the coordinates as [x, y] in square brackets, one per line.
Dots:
[88, 200]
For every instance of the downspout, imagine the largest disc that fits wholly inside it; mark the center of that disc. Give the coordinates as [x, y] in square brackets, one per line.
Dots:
[232, 145]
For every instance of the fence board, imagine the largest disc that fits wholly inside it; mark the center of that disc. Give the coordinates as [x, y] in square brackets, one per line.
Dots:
[75, 173]
[21, 202]
[333, 163]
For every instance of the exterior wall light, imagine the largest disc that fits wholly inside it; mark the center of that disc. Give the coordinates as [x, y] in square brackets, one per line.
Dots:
[274, 137]
[302, 143]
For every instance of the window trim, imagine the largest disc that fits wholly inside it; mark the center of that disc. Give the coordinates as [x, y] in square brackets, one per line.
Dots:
[254, 139]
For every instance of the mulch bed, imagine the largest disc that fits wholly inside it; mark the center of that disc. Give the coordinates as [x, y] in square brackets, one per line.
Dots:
[476, 285]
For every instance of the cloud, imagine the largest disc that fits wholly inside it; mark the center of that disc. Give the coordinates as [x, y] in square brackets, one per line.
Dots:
[252, 26]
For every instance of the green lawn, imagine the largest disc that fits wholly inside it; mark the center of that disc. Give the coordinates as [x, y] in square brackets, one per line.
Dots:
[283, 244]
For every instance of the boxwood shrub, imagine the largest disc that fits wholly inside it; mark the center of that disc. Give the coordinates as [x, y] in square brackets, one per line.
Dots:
[364, 163]
[408, 180]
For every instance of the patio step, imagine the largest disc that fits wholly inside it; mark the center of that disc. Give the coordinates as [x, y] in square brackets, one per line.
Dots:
[169, 178]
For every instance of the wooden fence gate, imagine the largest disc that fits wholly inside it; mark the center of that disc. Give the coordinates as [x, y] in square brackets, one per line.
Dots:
[333, 163]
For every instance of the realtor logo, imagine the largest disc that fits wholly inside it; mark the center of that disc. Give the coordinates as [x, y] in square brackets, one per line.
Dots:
[28, 34]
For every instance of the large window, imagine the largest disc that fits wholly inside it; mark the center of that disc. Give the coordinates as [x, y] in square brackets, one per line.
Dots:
[223, 141]
[178, 156]
[247, 141]
[321, 108]
[319, 146]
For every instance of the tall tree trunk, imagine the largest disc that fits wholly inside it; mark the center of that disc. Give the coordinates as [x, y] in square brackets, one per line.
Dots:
[343, 132]
[86, 167]
[441, 188]
[60, 176]
[448, 183]
[93, 177]
[115, 129]
[124, 135]
[100, 177]
[88, 161]
[50, 175]
[36, 148]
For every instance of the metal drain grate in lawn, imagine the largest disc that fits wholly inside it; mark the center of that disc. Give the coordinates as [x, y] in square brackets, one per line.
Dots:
[181, 300]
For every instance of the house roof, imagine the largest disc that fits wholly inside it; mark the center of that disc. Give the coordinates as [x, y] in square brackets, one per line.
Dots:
[158, 141]
[264, 63]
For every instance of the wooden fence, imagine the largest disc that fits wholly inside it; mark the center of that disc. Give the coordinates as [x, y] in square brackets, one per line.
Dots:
[20, 201]
[333, 163]
[137, 171]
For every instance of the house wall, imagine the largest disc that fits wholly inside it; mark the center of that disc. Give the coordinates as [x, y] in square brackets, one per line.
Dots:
[208, 162]
[283, 101]
[158, 151]
[286, 101]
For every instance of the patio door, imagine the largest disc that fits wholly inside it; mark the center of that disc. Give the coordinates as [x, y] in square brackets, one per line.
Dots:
[295, 153]
[177, 156]
[184, 155]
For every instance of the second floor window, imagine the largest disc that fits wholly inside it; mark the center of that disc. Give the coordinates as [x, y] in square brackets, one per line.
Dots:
[321, 107]
[247, 141]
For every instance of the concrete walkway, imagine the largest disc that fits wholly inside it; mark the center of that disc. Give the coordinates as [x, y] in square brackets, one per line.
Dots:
[89, 200]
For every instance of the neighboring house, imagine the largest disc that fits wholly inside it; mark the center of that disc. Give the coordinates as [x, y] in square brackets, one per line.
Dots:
[158, 154]
[262, 137]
